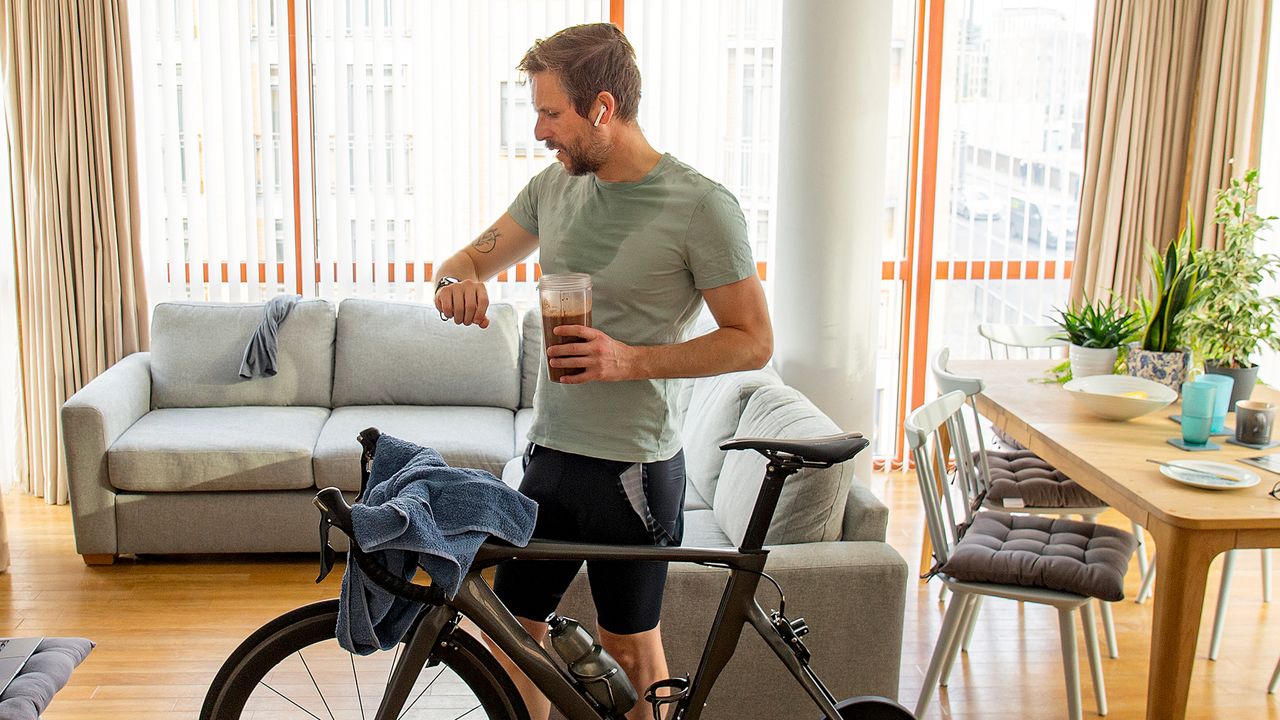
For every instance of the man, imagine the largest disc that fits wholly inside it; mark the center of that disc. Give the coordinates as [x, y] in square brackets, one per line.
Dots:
[657, 238]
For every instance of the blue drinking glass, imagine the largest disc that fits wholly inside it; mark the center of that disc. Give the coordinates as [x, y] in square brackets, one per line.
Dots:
[1195, 430]
[1197, 411]
[1223, 385]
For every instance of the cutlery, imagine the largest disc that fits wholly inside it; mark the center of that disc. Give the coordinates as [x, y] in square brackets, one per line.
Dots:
[1198, 471]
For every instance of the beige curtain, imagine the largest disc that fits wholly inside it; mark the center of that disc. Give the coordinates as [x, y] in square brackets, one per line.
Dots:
[1174, 111]
[81, 293]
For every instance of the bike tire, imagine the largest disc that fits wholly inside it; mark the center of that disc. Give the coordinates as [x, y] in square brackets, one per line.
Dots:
[872, 708]
[270, 651]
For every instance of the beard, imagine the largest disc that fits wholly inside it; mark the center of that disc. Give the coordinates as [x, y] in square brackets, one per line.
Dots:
[587, 156]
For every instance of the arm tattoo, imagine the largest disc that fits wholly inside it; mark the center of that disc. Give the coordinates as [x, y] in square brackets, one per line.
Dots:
[487, 241]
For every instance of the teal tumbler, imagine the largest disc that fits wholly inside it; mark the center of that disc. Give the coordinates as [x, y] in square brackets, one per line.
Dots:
[1197, 411]
[1223, 385]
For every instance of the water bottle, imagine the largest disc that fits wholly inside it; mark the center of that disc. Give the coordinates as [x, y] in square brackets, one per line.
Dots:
[598, 672]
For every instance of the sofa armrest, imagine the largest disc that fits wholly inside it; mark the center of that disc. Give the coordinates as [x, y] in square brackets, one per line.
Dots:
[851, 594]
[92, 420]
[865, 517]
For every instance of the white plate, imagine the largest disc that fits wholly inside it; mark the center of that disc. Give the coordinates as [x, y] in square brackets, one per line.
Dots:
[1244, 478]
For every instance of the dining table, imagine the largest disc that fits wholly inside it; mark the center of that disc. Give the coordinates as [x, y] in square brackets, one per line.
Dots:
[1190, 526]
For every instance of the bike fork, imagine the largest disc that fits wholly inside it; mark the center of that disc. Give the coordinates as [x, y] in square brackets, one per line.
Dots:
[434, 625]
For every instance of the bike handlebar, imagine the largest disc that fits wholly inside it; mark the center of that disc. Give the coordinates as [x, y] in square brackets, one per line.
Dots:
[337, 512]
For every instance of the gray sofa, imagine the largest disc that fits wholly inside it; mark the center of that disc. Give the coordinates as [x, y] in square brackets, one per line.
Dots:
[171, 452]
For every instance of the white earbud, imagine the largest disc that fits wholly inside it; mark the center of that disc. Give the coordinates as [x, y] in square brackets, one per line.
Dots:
[598, 116]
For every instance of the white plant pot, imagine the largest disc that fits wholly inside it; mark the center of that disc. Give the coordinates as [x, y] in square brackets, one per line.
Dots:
[1092, 361]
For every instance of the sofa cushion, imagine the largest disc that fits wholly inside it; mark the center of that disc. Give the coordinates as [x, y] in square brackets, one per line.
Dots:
[702, 530]
[812, 503]
[203, 449]
[715, 408]
[530, 355]
[524, 421]
[196, 350]
[513, 473]
[693, 500]
[392, 353]
[473, 437]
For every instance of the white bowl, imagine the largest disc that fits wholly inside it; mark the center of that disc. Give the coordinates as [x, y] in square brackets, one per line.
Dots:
[1104, 395]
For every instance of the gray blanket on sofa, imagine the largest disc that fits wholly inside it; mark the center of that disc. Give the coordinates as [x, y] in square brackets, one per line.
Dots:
[260, 354]
[419, 512]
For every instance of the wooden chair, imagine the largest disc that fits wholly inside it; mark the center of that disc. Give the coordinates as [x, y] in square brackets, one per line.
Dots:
[1004, 490]
[1021, 341]
[978, 551]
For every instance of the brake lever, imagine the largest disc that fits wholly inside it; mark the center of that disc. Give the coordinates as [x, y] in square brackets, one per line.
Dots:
[327, 554]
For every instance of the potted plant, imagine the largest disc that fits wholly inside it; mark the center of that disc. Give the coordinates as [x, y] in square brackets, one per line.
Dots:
[1233, 318]
[1162, 355]
[1096, 331]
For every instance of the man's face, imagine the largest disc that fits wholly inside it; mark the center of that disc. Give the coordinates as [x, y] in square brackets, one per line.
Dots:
[581, 147]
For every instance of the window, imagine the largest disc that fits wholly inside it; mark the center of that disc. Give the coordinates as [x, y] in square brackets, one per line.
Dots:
[279, 238]
[360, 140]
[516, 128]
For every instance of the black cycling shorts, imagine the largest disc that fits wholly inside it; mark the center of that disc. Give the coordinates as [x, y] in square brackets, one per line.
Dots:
[583, 499]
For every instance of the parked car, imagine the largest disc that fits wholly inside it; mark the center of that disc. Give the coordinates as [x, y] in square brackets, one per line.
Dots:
[976, 205]
[1048, 223]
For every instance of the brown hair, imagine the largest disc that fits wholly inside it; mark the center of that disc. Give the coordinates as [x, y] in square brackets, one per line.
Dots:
[590, 59]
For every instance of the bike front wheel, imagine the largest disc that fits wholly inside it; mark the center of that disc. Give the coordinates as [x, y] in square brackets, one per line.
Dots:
[872, 708]
[292, 667]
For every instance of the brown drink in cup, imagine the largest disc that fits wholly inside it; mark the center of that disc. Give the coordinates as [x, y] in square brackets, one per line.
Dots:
[565, 299]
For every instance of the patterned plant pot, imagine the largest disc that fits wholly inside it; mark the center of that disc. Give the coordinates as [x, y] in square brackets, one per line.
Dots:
[1166, 368]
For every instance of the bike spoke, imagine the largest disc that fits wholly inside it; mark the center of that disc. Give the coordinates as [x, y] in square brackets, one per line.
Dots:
[424, 690]
[467, 713]
[356, 677]
[316, 684]
[287, 699]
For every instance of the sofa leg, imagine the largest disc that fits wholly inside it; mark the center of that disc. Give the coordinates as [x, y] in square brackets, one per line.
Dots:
[98, 559]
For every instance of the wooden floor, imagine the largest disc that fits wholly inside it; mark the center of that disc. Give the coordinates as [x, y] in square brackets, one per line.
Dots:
[163, 626]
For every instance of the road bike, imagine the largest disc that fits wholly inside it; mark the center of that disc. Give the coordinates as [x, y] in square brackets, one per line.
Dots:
[293, 666]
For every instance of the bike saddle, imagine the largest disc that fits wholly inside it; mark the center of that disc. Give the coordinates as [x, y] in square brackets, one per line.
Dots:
[817, 451]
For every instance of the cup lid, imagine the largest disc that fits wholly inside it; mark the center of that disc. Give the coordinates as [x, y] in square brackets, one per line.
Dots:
[565, 281]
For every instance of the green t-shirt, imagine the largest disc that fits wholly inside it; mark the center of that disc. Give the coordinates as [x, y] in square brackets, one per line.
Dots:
[650, 247]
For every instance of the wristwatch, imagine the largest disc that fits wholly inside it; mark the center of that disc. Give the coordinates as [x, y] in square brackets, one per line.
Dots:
[444, 281]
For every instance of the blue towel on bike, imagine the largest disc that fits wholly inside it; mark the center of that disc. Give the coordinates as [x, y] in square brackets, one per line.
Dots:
[419, 512]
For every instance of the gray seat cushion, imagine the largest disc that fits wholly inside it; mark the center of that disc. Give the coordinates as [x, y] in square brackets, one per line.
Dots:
[233, 448]
[715, 408]
[702, 530]
[196, 350]
[811, 507]
[42, 676]
[1035, 551]
[473, 437]
[1023, 475]
[391, 353]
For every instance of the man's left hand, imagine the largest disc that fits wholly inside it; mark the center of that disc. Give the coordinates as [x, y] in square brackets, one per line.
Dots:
[601, 358]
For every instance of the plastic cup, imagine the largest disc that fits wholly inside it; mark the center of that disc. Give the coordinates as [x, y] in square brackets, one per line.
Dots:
[1198, 398]
[1197, 411]
[565, 299]
[1195, 430]
[1221, 399]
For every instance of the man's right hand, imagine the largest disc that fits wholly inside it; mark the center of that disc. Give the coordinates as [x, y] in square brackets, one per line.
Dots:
[465, 302]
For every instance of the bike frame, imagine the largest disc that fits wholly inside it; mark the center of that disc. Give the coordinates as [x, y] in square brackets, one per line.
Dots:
[477, 602]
